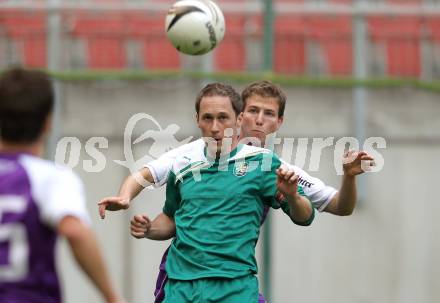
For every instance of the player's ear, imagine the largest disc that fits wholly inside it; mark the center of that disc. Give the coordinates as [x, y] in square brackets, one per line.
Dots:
[198, 121]
[280, 121]
[239, 119]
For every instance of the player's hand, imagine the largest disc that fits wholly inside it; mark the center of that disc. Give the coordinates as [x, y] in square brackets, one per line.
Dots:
[112, 204]
[355, 163]
[287, 182]
[139, 226]
[280, 197]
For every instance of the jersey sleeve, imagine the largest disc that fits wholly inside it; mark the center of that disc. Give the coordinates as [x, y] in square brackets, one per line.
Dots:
[57, 191]
[270, 190]
[173, 198]
[314, 189]
[269, 165]
[286, 209]
[161, 167]
[64, 197]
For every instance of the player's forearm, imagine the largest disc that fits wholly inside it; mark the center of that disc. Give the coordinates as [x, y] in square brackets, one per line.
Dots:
[301, 211]
[162, 228]
[85, 249]
[344, 201]
[135, 183]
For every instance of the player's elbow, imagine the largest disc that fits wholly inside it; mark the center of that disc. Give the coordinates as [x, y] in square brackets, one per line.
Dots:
[72, 229]
[341, 207]
[343, 212]
[305, 222]
[346, 212]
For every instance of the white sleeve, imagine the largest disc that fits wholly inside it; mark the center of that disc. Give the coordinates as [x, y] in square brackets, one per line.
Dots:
[161, 167]
[57, 191]
[64, 197]
[314, 189]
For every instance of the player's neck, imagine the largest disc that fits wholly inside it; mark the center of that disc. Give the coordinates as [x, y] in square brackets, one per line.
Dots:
[226, 149]
[249, 142]
[35, 148]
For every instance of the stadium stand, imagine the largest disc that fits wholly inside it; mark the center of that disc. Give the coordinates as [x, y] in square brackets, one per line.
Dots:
[302, 44]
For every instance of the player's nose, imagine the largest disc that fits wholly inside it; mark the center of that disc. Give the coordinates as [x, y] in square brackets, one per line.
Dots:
[215, 126]
[260, 118]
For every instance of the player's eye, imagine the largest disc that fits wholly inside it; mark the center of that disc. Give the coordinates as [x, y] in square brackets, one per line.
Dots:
[270, 113]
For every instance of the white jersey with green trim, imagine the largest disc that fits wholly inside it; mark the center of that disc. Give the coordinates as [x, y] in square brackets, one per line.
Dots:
[315, 190]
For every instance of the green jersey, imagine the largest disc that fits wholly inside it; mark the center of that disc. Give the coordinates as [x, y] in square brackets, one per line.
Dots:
[217, 207]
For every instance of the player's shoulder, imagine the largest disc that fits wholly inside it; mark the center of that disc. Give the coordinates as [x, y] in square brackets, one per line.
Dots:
[194, 146]
[56, 190]
[247, 151]
[42, 170]
[192, 154]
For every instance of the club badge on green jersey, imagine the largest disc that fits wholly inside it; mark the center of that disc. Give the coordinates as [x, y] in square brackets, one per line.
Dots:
[240, 169]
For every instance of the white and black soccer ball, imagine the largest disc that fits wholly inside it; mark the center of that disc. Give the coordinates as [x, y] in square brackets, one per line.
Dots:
[195, 27]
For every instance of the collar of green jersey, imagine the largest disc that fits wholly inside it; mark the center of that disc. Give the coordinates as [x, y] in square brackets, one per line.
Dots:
[222, 158]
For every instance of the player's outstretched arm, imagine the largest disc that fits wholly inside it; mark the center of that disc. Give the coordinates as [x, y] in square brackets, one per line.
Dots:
[88, 255]
[161, 228]
[300, 207]
[130, 188]
[344, 202]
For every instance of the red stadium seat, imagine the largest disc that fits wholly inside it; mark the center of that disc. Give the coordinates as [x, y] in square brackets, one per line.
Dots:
[157, 51]
[230, 55]
[28, 31]
[104, 35]
[434, 29]
[333, 34]
[35, 54]
[289, 45]
[401, 37]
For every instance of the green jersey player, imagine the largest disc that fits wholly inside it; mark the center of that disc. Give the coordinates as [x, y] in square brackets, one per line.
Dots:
[262, 115]
[217, 201]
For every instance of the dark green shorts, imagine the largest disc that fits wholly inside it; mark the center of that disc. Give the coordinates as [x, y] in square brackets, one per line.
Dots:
[218, 290]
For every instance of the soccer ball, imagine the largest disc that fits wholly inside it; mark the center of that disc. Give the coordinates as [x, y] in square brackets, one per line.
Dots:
[195, 27]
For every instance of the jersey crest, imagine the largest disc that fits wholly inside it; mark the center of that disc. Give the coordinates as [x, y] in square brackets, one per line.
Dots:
[241, 169]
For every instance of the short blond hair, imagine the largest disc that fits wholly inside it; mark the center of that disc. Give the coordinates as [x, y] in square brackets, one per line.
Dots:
[265, 89]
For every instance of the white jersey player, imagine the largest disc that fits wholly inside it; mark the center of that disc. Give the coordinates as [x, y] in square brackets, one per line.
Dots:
[38, 200]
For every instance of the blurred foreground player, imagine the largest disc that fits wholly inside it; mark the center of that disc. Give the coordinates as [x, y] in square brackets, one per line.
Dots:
[38, 200]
